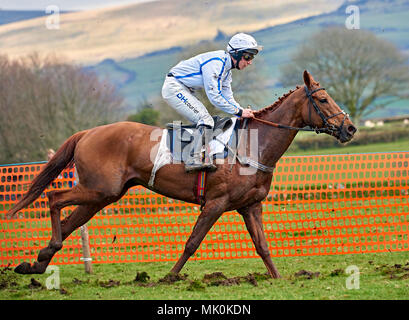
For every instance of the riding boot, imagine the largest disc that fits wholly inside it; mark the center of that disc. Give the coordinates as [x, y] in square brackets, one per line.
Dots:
[197, 162]
[208, 161]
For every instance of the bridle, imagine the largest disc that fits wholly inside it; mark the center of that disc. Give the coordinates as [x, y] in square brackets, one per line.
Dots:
[328, 127]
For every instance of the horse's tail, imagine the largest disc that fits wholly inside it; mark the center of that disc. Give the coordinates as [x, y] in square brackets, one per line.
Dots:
[61, 160]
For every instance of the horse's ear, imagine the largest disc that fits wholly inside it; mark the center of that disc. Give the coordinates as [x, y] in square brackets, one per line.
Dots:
[307, 79]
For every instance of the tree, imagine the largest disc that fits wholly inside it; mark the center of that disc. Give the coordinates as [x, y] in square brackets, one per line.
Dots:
[146, 115]
[44, 100]
[361, 72]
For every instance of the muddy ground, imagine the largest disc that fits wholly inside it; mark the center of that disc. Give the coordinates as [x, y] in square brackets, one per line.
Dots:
[9, 279]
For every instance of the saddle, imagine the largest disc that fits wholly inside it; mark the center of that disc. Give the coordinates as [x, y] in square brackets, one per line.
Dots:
[180, 137]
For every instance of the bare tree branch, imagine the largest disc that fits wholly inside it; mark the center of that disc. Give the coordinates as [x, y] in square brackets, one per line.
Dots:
[44, 100]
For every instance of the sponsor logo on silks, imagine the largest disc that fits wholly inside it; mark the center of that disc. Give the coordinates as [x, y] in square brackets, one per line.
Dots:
[181, 97]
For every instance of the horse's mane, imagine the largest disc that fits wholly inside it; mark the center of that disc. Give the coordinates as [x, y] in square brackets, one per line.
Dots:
[276, 104]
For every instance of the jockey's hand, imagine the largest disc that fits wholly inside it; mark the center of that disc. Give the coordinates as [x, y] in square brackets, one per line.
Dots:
[247, 113]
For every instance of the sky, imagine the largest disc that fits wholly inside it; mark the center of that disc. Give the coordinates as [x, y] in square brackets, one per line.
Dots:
[64, 5]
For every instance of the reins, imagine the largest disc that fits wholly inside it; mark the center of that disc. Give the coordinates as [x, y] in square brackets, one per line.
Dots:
[282, 126]
[328, 127]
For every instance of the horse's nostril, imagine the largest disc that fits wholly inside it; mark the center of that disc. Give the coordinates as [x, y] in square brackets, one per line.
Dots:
[351, 129]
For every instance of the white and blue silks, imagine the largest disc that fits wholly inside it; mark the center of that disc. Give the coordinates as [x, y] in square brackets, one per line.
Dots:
[211, 71]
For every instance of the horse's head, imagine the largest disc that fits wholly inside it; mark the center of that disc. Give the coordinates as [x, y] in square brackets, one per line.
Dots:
[321, 112]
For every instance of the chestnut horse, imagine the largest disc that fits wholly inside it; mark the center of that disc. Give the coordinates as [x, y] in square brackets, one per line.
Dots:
[112, 158]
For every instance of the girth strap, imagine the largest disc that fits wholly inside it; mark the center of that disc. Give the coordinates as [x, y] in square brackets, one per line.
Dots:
[248, 161]
[252, 163]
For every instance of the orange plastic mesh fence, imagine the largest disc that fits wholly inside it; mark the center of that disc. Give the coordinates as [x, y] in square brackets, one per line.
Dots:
[317, 205]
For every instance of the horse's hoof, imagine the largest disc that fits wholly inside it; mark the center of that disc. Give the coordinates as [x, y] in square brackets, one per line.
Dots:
[23, 268]
[26, 268]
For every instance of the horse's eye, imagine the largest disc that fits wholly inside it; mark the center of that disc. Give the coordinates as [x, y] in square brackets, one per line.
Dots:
[323, 100]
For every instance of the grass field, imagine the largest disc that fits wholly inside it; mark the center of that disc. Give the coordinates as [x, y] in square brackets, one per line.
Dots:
[381, 276]
[400, 145]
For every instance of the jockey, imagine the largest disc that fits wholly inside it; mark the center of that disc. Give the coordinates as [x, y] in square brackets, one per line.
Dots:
[211, 71]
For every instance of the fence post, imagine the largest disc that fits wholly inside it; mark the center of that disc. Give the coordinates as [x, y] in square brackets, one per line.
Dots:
[86, 252]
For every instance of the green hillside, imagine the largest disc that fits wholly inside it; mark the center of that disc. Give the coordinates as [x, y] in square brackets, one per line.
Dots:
[141, 78]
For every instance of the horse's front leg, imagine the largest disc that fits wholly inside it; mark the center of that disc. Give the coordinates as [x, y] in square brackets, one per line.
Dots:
[252, 216]
[212, 210]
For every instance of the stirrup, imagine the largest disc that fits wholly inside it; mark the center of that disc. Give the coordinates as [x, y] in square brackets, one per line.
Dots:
[198, 165]
[208, 164]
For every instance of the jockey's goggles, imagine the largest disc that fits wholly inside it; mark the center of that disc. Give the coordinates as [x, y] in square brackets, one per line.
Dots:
[248, 56]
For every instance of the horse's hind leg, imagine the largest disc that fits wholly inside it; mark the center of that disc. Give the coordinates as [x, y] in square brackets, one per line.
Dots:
[55, 243]
[89, 203]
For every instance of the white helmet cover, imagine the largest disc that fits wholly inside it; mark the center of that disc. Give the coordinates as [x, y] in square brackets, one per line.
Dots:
[242, 42]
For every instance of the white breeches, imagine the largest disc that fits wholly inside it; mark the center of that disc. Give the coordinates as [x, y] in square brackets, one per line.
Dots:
[179, 97]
